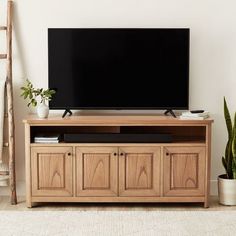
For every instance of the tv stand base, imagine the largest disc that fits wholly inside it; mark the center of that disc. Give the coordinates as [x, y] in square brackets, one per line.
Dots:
[171, 112]
[67, 111]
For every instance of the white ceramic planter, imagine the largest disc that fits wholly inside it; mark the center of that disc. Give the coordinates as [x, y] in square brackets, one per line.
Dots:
[42, 110]
[227, 190]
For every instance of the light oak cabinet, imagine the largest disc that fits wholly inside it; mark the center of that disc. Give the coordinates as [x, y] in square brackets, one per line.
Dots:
[118, 172]
[97, 171]
[52, 172]
[184, 171]
[139, 171]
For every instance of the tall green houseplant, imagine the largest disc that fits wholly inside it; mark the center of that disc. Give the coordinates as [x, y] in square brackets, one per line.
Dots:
[229, 160]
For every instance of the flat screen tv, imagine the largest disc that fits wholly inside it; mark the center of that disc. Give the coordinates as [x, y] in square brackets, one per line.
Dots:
[116, 68]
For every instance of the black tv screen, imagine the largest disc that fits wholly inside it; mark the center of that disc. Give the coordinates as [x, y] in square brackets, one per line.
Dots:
[101, 68]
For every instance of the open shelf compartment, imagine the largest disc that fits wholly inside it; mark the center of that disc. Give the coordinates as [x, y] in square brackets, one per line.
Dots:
[179, 134]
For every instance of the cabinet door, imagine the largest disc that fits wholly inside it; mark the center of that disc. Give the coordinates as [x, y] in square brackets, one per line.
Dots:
[184, 171]
[51, 171]
[139, 171]
[97, 171]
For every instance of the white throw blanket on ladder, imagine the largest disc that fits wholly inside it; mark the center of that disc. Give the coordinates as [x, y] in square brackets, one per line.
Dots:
[2, 102]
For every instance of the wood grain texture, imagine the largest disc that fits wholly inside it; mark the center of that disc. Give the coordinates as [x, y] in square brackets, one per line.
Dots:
[53, 172]
[208, 165]
[119, 199]
[74, 172]
[82, 120]
[184, 171]
[5, 154]
[182, 144]
[28, 166]
[138, 206]
[97, 169]
[139, 171]
[10, 108]
[3, 56]
[3, 28]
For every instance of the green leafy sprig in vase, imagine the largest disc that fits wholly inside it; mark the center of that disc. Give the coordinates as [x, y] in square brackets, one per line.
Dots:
[31, 93]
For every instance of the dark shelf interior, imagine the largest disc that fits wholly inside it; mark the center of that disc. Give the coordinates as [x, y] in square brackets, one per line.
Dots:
[178, 133]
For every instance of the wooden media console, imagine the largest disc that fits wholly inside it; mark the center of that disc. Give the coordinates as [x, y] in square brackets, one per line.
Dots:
[178, 171]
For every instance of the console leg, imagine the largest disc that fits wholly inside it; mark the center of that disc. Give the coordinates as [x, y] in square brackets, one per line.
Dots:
[67, 111]
[31, 204]
[206, 204]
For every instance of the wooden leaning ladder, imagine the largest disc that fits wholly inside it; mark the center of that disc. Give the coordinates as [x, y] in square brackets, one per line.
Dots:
[9, 94]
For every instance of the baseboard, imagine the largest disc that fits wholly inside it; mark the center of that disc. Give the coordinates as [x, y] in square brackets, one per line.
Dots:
[214, 188]
[4, 191]
[20, 189]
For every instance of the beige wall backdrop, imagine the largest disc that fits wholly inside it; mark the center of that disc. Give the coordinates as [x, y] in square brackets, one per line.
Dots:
[213, 50]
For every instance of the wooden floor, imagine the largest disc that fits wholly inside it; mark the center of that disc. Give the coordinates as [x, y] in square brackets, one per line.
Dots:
[21, 206]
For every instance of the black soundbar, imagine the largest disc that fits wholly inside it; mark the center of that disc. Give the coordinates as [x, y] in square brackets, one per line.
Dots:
[117, 138]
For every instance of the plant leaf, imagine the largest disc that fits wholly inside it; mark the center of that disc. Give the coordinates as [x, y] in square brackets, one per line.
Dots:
[234, 139]
[224, 163]
[25, 95]
[229, 159]
[228, 150]
[227, 119]
[234, 169]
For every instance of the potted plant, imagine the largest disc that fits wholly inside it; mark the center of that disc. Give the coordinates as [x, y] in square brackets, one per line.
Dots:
[227, 182]
[32, 93]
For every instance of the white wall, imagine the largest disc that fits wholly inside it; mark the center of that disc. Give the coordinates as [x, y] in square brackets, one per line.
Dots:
[213, 48]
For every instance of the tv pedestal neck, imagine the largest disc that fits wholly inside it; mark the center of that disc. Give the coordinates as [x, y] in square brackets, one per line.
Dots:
[118, 172]
[171, 112]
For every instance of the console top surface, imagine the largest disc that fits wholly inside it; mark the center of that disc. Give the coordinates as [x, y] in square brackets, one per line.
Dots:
[113, 120]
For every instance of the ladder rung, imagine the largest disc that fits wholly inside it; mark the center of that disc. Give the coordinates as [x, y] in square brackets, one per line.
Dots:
[4, 173]
[3, 56]
[3, 28]
[5, 144]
